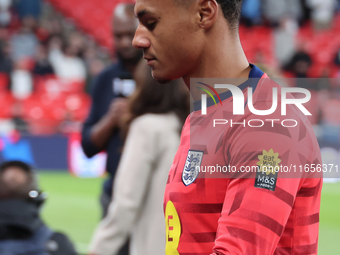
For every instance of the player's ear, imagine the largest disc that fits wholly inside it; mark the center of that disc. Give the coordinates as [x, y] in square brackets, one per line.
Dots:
[208, 10]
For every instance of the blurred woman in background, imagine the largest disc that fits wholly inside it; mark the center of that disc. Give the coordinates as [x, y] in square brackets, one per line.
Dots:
[152, 130]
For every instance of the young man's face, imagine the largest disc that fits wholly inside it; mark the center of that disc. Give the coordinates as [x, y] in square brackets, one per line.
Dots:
[169, 36]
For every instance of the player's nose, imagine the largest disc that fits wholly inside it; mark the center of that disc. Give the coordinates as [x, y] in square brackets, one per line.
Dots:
[140, 41]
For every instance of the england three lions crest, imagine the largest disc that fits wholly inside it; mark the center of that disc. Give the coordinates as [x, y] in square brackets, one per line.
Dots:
[192, 166]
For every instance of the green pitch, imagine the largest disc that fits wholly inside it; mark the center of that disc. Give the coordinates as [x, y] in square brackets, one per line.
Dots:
[73, 208]
[72, 205]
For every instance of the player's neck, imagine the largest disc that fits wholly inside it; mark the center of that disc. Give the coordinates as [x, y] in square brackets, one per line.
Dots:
[222, 60]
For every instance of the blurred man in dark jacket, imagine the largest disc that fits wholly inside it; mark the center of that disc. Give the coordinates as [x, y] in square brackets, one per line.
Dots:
[22, 232]
[101, 129]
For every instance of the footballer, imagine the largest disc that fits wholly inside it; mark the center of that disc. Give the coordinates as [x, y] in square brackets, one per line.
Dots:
[256, 213]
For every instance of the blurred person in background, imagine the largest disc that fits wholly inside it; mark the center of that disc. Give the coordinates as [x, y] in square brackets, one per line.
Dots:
[22, 81]
[77, 41]
[152, 129]
[285, 40]
[52, 25]
[337, 58]
[28, 7]
[22, 231]
[299, 63]
[42, 64]
[101, 129]
[322, 12]
[65, 61]
[330, 115]
[24, 43]
[6, 64]
[251, 12]
[284, 16]
[5, 14]
[275, 11]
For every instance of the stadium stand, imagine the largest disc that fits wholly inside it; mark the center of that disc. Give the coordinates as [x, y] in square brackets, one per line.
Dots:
[57, 103]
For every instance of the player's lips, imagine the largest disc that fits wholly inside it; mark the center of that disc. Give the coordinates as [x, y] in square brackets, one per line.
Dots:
[150, 60]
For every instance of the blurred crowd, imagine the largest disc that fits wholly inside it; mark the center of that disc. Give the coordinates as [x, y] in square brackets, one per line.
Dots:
[304, 33]
[46, 61]
[305, 42]
[272, 13]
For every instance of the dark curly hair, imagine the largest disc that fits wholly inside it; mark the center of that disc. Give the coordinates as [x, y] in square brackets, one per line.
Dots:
[232, 11]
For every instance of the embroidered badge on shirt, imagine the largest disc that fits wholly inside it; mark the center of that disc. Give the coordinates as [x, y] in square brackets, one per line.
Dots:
[268, 168]
[192, 166]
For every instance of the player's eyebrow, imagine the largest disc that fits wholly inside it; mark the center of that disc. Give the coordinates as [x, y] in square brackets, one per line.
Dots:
[141, 13]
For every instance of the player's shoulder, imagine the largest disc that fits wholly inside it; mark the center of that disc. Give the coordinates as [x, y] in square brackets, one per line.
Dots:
[271, 93]
[265, 89]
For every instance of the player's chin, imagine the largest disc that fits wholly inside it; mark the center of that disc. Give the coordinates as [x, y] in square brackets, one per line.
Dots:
[161, 78]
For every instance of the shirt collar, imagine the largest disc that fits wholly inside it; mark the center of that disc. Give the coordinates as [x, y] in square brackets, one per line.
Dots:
[255, 75]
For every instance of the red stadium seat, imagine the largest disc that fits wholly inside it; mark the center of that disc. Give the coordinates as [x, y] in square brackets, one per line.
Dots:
[43, 113]
[83, 11]
[78, 106]
[4, 81]
[6, 105]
